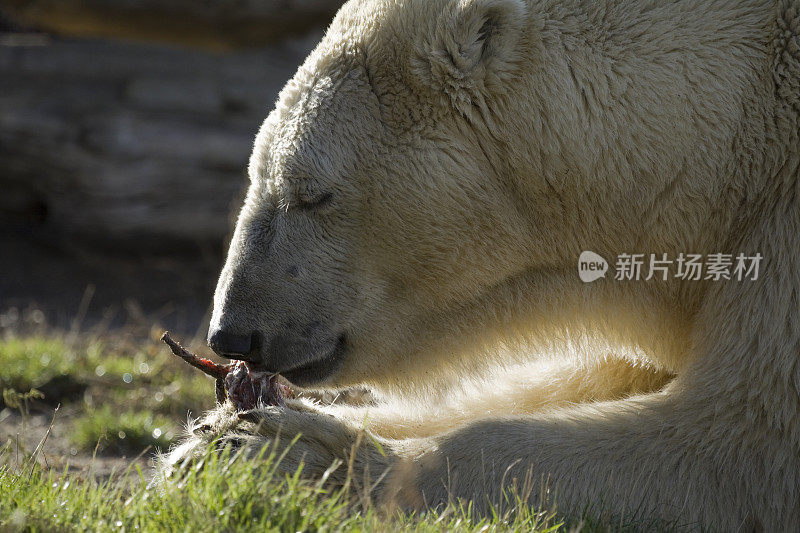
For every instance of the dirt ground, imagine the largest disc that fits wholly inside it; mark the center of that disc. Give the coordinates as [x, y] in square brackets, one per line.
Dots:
[57, 451]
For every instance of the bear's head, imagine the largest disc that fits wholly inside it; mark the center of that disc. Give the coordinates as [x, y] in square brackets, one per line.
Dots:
[383, 212]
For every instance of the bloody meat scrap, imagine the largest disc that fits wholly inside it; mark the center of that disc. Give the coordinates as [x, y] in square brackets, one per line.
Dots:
[237, 382]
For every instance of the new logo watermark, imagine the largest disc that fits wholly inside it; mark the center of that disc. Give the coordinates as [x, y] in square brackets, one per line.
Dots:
[591, 266]
[688, 267]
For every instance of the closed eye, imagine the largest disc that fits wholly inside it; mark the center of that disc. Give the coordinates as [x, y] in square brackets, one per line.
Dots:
[315, 202]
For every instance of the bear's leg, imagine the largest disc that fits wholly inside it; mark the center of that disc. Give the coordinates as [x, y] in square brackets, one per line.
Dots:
[719, 447]
[663, 457]
[528, 391]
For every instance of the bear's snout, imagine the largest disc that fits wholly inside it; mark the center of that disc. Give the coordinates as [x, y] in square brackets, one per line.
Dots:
[233, 345]
[306, 353]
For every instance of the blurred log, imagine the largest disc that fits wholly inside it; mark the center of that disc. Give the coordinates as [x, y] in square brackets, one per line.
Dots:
[214, 24]
[132, 146]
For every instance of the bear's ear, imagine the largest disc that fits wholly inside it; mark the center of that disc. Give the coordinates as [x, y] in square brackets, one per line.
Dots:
[474, 48]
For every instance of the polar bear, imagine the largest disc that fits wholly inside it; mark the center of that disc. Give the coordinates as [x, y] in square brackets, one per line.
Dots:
[418, 202]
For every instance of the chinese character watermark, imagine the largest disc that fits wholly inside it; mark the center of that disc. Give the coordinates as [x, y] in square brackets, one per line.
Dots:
[686, 267]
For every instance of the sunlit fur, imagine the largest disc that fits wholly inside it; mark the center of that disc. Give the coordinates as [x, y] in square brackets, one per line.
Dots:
[474, 148]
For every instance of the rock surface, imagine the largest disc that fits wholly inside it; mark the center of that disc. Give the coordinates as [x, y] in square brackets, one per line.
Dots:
[214, 24]
[132, 146]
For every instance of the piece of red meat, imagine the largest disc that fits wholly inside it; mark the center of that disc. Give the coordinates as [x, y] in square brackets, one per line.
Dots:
[237, 382]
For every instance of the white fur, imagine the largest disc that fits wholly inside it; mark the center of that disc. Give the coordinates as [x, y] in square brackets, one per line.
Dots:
[475, 148]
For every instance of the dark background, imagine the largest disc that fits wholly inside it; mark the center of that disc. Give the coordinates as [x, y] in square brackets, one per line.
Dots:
[125, 129]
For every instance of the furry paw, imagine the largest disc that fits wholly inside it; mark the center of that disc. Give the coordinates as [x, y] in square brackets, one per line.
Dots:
[299, 435]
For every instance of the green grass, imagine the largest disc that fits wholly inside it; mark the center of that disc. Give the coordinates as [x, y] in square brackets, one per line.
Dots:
[119, 397]
[220, 493]
[125, 433]
[27, 363]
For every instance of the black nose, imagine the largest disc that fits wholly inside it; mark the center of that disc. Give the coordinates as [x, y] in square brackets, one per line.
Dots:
[230, 345]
